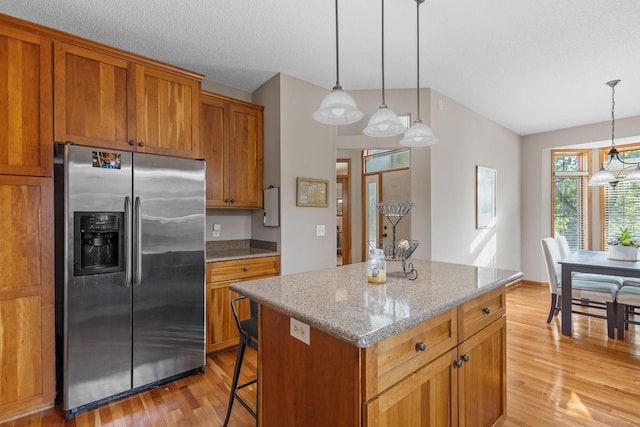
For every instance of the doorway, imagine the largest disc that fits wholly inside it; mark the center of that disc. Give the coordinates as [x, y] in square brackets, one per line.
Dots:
[343, 211]
[386, 176]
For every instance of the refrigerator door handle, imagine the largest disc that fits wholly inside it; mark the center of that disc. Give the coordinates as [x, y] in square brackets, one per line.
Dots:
[127, 242]
[138, 242]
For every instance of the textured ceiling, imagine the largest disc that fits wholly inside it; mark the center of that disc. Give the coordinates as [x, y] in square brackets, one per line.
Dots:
[530, 65]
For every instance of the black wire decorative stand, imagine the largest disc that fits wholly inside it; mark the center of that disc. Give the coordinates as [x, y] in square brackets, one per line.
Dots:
[395, 250]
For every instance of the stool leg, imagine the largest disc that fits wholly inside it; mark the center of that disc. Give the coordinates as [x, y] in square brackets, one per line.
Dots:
[234, 383]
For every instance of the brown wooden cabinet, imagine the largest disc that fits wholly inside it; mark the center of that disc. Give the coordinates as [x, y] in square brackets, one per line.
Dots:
[231, 133]
[25, 103]
[222, 332]
[447, 371]
[26, 294]
[107, 100]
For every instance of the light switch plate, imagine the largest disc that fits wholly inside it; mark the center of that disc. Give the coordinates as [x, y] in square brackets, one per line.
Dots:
[320, 230]
[300, 331]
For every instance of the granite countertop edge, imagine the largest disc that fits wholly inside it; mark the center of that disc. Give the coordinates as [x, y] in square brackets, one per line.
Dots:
[374, 336]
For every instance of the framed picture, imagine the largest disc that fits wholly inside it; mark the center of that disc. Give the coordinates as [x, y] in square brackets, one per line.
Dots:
[312, 192]
[486, 182]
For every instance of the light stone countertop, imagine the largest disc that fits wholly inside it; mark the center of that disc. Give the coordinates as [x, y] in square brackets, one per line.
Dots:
[242, 253]
[340, 301]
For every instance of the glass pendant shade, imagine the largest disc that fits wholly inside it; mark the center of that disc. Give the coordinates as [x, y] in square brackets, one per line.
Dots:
[384, 123]
[337, 108]
[634, 175]
[418, 135]
[601, 178]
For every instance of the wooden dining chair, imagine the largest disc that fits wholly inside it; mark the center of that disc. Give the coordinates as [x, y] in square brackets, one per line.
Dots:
[584, 293]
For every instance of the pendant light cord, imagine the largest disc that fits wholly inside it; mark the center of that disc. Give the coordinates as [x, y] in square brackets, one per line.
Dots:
[337, 56]
[384, 104]
[613, 105]
[418, 3]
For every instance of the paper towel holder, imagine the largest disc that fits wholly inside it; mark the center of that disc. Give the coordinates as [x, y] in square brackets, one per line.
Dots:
[271, 207]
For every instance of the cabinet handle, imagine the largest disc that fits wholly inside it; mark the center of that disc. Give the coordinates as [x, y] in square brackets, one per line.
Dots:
[233, 200]
[458, 363]
[465, 357]
[132, 142]
[245, 268]
[226, 200]
[141, 144]
[421, 346]
[486, 310]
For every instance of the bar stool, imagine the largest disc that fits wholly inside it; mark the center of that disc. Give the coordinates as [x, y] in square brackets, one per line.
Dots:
[248, 337]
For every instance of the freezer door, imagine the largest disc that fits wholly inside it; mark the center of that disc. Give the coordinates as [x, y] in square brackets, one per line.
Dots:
[97, 306]
[169, 265]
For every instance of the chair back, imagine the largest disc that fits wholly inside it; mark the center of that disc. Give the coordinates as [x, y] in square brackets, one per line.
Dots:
[563, 246]
[551, 258]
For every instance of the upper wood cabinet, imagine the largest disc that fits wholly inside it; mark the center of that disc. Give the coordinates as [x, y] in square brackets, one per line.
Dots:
[105, 100]
[231, 133]
[25, 103]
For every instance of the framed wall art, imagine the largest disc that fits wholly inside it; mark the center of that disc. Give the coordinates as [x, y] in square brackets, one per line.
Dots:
[312, 192]
[486, 185]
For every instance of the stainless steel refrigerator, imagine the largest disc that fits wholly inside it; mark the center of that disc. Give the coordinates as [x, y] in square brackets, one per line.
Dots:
[130, 256]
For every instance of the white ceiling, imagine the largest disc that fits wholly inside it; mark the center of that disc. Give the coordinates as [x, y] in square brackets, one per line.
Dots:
[530, 65]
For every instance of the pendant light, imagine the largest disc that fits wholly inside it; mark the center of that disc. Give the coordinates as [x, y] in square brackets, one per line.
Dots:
[418, 135]
[384, 122]
[604, 176]
[337, 108]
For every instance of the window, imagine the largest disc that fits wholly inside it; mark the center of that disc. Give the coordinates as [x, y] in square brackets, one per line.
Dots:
[570, 209]
[621, 204]
[381, 160]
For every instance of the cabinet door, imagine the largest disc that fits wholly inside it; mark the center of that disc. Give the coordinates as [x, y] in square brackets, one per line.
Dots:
[25, 103]
[26, 294]
[482, 378]
[427, 397]
[222, 331]
[214, 140]
[93, 98]
[167, 113]
[245, 156]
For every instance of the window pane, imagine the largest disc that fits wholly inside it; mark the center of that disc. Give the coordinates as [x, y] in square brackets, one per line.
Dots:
[622, 209]
[570, 198]
[392, 160]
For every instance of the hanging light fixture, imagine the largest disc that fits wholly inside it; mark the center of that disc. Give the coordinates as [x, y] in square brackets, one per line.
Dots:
[337, 108]
[384, 122]
[604, 176]
[418, 135]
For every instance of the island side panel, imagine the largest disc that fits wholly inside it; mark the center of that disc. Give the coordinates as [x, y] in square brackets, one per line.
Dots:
[306, 385]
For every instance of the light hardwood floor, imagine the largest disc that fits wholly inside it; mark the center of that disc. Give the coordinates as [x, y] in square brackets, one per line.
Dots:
[553, 380]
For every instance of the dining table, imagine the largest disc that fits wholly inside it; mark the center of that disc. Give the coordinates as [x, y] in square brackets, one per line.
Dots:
[596, 262]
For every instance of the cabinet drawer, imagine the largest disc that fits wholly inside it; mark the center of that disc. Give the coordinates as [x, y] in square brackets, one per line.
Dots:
[242, 268]
[480, 312]
[392, 359]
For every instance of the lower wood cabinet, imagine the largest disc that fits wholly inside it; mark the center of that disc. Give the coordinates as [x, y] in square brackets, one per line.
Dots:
[222, 332]
[27, 371]
[447, 371]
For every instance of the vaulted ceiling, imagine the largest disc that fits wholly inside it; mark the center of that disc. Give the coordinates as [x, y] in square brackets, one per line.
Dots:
[531, 66]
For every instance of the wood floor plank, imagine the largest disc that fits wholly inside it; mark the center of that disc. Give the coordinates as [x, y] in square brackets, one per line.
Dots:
[588, 380]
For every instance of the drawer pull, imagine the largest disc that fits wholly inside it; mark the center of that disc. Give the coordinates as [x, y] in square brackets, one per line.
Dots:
[421, 346]
[457, 363]
[245, 268]
[465, 357]
[486, 310]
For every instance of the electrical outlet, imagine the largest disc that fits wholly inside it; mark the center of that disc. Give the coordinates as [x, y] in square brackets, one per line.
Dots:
[300, 331]
[320, 231]
[216, 230]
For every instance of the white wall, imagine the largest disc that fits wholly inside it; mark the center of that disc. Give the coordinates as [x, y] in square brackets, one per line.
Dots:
[268, 95]
[234, 224]
[536, 183]
[468, 139]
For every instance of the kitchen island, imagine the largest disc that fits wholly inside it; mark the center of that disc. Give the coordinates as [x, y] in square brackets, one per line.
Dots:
[337, 351]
